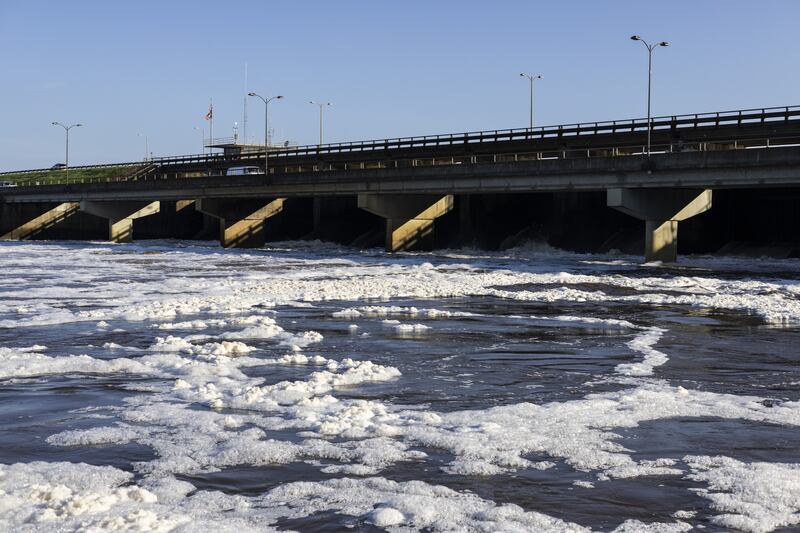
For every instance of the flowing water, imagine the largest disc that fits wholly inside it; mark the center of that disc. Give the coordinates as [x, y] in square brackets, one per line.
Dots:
[168, 386]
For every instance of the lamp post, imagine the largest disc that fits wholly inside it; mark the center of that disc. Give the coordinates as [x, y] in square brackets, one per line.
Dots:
[531, 78]
[66, 130]
[650, 48]
[202, 131]
[266, 127]
[321, 107]
[146, 148]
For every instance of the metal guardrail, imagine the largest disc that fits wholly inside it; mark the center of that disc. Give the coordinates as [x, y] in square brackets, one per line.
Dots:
[740, 117]
[669, 122]
[239, 141]
[673, 122]
[503, 157]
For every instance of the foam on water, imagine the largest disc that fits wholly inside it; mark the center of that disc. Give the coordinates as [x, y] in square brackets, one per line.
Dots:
[79, 497]
[211, 408]
[755, 497]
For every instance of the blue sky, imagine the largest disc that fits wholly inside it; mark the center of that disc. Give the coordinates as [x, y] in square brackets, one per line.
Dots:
[390, 68]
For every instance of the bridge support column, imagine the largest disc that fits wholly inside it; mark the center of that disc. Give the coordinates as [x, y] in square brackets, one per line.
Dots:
[21, 229]
[120, 215]
[409, 217]
[661, 209]
[241, 221]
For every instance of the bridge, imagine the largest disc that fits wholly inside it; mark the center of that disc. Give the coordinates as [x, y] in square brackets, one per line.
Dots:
[410, 182]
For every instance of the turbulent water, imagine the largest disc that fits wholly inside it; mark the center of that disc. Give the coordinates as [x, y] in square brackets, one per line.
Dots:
[178, 387]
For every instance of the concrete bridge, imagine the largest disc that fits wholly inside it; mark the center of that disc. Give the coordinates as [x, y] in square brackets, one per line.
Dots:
[411, 182]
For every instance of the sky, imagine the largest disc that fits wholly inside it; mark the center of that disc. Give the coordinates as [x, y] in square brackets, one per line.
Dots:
[389, 68]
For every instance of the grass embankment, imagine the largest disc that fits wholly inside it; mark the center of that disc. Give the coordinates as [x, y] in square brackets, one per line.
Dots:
[74, 175]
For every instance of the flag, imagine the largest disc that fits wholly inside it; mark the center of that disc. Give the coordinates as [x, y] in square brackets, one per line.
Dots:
[210, 113]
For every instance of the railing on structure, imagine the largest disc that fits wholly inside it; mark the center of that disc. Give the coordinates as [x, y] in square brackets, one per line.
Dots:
[773, 115]
[503, 157]
[676, 122]
[239, 141]
[540, 155]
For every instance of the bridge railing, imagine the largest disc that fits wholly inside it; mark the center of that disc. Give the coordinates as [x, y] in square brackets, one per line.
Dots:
[723, 118]
[669, 122]
[500, 157]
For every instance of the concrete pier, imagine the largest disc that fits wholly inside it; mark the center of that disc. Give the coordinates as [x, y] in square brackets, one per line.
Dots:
[661, 209]
[409, 217]
[120, 215]
[241, 221]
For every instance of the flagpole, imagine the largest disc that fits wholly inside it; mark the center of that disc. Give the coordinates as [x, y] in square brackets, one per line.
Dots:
[244, 118]
[211, 124]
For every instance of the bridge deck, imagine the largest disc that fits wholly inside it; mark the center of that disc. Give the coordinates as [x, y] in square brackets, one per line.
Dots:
[765, 167]
[669, 133]
[733, 149]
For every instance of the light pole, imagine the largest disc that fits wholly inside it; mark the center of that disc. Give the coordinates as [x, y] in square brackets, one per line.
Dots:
[66, 130]
[146, 149]
[650, 48]
[202, 131]
[321, 107]
[531, 78]
[266, 127]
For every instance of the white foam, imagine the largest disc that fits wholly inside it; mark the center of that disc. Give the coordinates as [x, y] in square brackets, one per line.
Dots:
[95, 499]
[411, 506]
[637, 526]
[394, 310]
[63, 496]
[154, 299]
[754, 497]
[643, 343]
[411, 328]
[363, 437]
[498, 439]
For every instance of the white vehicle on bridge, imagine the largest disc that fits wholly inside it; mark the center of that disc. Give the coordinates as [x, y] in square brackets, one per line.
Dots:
[8, 184]
[243, 171]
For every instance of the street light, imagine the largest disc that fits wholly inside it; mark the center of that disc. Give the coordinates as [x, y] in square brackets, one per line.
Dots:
[321, 106]
[266, 127]
[650, 48]
[66, 130]
[146, 149]
[531, 78]
[202, 131]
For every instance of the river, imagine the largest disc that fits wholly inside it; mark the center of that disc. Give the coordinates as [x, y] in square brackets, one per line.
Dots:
[176, 386]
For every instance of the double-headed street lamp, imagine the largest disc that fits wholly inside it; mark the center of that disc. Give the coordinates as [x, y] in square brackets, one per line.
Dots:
[531, 78]
[321, 105]
[266, 127]
[66, 130]
[650, 48]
